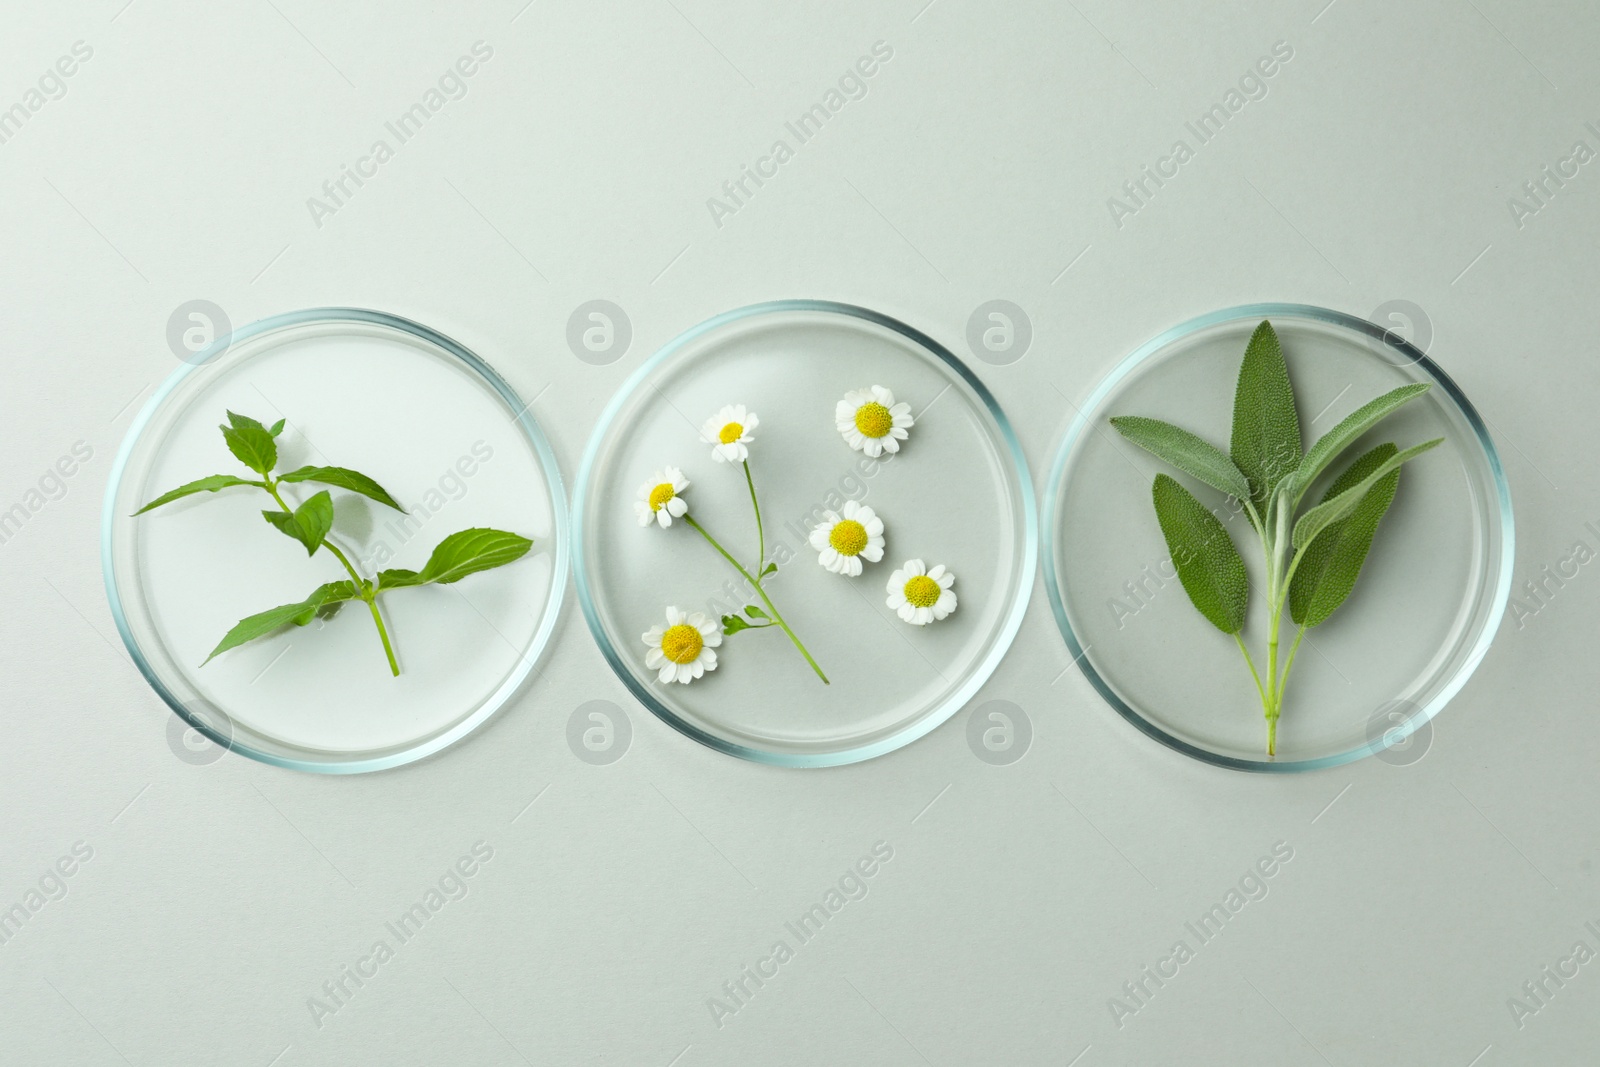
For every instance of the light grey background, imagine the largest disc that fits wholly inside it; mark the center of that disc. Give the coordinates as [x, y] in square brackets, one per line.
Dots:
[620, 896]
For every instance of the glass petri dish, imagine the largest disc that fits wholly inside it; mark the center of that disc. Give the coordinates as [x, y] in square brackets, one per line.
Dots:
[433, 424]
[957, 493]
[1422, 614]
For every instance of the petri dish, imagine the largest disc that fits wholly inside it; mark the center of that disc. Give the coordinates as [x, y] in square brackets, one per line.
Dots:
[1422, 613]
[957, 493]
[433, 424]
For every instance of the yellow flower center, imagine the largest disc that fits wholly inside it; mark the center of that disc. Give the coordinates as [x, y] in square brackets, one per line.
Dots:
[848, 537]
[731, 433]
[922, 591]
[660, 495]
[681, 643]
[874, 420]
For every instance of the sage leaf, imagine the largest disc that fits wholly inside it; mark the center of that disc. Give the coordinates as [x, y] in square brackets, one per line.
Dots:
[1266, 428]
[309, 523]
[732, 624]
[1208, 563]
[251, 443]
[1314, 521]
[1328, 570]
[343, 478]
[209, 484]
[265, 622]
[1190, 454]
[470, 551]
[1358, 422]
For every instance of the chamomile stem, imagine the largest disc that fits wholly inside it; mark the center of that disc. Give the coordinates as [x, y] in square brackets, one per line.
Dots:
[772, 609]
[363, 587]
[761, 531]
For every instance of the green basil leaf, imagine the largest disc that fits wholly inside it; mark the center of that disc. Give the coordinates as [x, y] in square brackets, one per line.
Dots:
[1342, 436]
[251, 444]
[310, 522]
[1330, 511]
[1328, 570]
[1266, 428]
[209, 484]
[1208, 563]
[343, 478]
[1190, 454]
[470, 551]
[263, 623]
[399, 578]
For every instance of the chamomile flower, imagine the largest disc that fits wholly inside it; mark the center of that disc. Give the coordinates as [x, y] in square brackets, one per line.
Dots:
[843, 541]
[870, 421]
[921, 596]
[728, 432]
[661, 498]
[684, 649]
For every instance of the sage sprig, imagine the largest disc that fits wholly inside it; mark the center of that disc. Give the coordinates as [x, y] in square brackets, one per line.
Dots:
[309, 523]
[1313, 556]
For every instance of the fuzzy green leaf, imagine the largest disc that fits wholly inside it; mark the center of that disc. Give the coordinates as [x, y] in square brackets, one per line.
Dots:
[209, 484]
[1335, 441]
[251, 443]
[1328, 570]
[1330, 511]
[732, 624]
[310, 522]
[263, 623]
[1266, 428]
[343, 478]
[1208, 563]
[470, 551]
[1190, 454]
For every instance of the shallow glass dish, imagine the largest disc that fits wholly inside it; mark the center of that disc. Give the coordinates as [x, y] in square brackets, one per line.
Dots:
[957, 493]
[448, 438]
[1422, 614]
